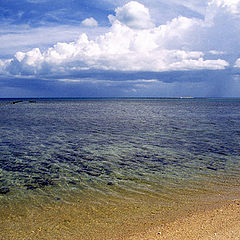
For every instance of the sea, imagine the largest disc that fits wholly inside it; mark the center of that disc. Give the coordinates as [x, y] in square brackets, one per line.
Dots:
[78, 168]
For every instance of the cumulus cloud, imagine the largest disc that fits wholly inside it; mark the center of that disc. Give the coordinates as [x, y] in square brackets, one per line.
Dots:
[134, 43]
[90, 22]
[134, 15]
[237, 63]
[122, 49]
[24, 38]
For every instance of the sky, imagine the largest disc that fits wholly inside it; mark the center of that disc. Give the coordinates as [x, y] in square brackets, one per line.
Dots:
[119, 48]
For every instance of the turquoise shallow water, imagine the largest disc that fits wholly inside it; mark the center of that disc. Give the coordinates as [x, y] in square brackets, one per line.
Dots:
[55, 148]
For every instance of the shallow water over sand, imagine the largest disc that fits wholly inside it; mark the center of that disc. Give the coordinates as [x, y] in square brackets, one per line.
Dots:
[79, 168]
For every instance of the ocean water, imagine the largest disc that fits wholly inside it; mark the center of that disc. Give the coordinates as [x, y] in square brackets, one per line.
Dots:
[57, 151]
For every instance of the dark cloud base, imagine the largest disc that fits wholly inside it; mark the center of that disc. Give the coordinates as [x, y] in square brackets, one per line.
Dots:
[204, 83]
[173, 76]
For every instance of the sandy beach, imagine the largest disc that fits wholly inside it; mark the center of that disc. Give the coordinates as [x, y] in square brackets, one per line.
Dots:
[219, 220]
[216, 222]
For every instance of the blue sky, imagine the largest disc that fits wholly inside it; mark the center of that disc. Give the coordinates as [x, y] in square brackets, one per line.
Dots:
[113, 48]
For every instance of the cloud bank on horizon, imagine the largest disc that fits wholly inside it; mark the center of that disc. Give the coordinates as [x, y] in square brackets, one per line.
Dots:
[206, 44]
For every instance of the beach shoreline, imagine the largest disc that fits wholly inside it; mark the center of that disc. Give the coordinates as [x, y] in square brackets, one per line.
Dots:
[212, 219]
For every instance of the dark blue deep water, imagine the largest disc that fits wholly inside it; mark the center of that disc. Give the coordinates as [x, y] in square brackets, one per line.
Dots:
[139, 145]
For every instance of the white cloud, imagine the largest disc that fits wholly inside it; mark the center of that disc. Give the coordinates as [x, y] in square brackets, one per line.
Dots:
[222, 30]
[90, 22]
[233, 6]
[188, 64]
[237, 63]
[134, 15]
[162, 10]
[222, 12]
[133, 43]
[23, 38]
[214, 52]
[31, 58]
